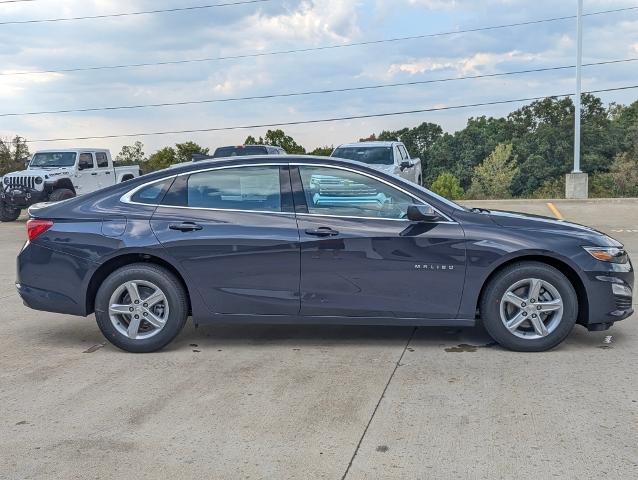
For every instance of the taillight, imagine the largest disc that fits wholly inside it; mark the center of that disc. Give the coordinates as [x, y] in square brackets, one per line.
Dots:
[36, 227]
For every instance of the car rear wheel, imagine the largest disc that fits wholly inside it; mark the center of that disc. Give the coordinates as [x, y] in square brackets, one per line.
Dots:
[141, 307]
[7, 213]
[529, 306]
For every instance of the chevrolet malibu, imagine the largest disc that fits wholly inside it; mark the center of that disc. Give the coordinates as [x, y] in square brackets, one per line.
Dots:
[313, 240]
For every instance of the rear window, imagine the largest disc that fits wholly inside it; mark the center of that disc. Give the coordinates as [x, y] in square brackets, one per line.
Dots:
[237, 151]
[369, 155]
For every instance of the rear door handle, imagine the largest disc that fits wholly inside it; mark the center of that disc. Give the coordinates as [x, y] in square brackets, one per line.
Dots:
[322, 232]
[185, 226]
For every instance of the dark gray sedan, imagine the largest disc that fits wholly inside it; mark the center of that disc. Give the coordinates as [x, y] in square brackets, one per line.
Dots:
[293, 239]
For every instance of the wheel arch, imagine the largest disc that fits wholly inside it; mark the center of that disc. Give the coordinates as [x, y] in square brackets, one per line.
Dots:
[108, 267]
[64, 183]
[561, 266]
[126, 177]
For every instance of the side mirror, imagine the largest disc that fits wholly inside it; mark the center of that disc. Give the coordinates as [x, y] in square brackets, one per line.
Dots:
[422, 213]
[404, 164]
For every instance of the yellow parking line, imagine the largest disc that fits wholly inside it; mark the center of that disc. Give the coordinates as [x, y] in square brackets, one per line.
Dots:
[555, 211]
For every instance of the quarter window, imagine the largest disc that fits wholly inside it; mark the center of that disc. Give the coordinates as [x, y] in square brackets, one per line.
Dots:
[102, 160]
[153, 193]
[332, 191]
[240, 188]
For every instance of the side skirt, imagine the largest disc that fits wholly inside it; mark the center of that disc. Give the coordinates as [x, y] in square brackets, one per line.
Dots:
[231, 319]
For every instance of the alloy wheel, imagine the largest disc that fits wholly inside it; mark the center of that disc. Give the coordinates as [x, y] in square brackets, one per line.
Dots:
[531, 308]
[138, 309]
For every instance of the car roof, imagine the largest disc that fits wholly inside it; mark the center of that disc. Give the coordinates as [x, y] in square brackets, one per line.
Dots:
[72, 149]
[375, 143]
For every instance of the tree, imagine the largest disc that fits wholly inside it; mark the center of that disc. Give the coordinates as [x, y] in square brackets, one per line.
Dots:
[322, 151]
[493, 178]
[131, 154]
[13, 154]
[163, 158]
[276, 138]
[185, 150]
[448, 186]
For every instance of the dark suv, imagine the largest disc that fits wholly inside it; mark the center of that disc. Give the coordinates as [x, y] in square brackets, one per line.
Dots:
[241, 150]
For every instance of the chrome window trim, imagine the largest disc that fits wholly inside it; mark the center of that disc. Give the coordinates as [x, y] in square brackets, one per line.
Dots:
[126, 198]
[339, 167]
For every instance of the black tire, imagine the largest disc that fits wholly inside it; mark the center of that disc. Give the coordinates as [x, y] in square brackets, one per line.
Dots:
[7, 213]
[61, 194]
[490, 307]
[174, 293]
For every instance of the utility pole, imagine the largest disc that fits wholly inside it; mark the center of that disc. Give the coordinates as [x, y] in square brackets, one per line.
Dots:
[576, 183]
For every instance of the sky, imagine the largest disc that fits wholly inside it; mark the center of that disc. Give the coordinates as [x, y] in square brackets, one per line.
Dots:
[277, 25]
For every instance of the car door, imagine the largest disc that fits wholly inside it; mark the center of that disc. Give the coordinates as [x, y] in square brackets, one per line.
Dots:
[234, 233]
[361, 257]
[104, 171]
[87, 175]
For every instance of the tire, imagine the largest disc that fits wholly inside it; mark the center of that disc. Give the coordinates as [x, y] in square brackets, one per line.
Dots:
[548, 328]
[158, 324]
[61, 194]
[7, 213]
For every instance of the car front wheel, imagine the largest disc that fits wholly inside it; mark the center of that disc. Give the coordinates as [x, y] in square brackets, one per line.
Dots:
[529, 306]
[141, 307]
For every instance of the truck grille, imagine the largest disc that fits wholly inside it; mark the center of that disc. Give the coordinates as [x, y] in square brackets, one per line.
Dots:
[28, 182]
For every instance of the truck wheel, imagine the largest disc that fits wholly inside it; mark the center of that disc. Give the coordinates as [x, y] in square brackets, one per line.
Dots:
[61, 194]
[8, 214]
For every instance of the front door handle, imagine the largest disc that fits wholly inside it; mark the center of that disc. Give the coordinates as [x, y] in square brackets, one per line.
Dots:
[185, 226]
[94, 173]
[322, 232]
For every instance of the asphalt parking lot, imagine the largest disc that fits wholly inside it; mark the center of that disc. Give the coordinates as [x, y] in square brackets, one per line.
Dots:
[318, 402]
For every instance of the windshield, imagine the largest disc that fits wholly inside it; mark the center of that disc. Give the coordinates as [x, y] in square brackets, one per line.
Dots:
[370, 155]
[53, 159]
[236, 151]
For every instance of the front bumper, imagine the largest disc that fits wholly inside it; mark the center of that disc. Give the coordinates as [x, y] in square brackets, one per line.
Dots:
[21, 197]
[609, 295]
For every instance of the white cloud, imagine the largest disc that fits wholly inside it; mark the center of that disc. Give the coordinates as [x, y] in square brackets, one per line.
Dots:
[479, 62]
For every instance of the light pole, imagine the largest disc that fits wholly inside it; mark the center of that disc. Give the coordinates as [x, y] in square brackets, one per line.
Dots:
[576, 182]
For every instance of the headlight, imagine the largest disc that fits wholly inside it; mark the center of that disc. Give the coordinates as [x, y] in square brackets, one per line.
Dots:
[608, 254]
[38, 180]
[6, 180]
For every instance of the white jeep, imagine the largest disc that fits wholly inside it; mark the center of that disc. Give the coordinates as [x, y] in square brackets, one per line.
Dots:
[54, 175]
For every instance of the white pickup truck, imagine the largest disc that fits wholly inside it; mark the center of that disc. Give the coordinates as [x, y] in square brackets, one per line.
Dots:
[389, 157]
[54, 175]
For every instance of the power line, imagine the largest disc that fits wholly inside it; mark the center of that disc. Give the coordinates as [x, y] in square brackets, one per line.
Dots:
[16, 1]
[128, 14]
[313, 49]
[325, 120]
[311, 92]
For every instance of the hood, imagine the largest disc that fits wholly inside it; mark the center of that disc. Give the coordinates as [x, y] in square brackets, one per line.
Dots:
[551, 225]
[382, 168]
[45, 173]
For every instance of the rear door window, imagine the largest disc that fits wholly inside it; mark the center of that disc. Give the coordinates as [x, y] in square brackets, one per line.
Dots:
[240, 188]
[102, 160]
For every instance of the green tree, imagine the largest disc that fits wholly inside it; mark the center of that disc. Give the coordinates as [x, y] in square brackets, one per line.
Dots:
[493, 178]
[131, 154]
[448, 186]
[277, 138]
[322, 151]
[183, 151]
[161, 159]
[14, 153]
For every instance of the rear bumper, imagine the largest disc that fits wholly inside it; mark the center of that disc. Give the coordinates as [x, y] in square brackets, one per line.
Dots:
[51, 281]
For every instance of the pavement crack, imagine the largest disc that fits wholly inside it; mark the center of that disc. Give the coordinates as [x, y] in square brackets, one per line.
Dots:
[376, 407]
